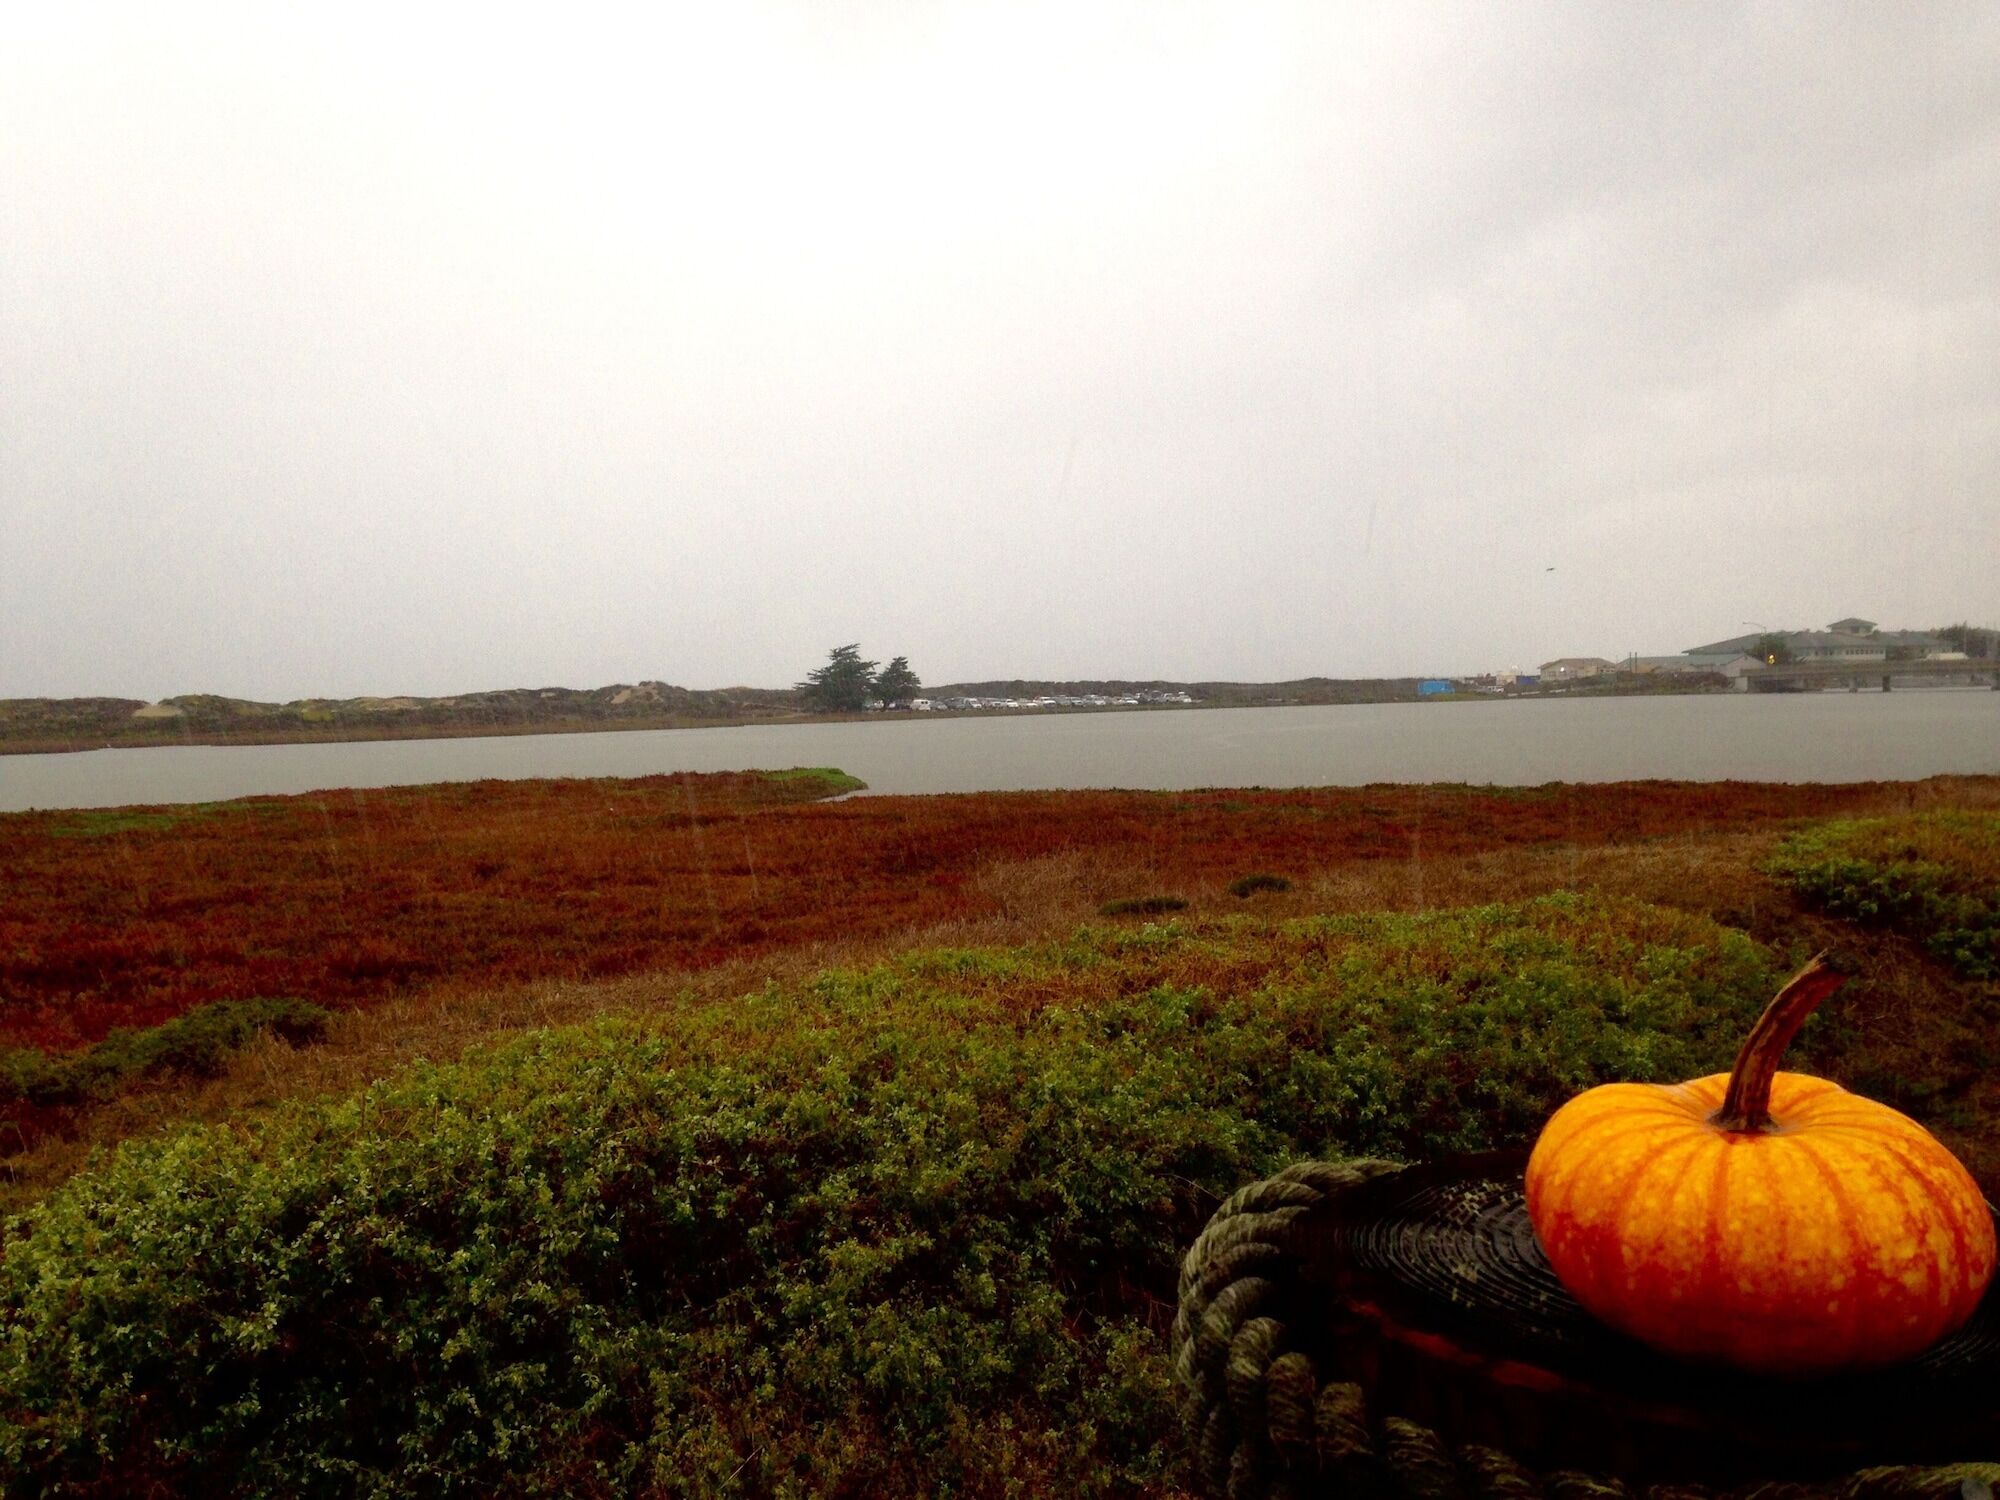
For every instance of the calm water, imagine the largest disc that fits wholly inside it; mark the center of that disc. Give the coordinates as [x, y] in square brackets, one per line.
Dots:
[1780, 737]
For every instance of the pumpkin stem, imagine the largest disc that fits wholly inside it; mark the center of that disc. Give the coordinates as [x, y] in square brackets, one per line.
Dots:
[1747, 1104]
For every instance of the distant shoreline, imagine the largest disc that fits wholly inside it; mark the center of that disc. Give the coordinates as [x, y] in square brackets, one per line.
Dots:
[359, 734]
[169, 735]
[363, 734]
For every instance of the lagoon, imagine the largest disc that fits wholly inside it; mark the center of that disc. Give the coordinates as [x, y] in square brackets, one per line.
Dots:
[1752, 737]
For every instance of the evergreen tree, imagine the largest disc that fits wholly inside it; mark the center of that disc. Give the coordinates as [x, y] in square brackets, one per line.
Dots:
[1980, 644]
[896, 683]
[842, 685]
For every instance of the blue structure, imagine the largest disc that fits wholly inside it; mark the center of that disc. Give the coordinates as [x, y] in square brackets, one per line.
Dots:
[1431, 687]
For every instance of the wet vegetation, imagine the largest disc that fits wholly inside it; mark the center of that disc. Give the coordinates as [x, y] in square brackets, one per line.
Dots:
[1935, 876]
[862, 1155]
[130, 917]
[197, 1045]
[1142, 906]
[906, 1230]
[1246, 886]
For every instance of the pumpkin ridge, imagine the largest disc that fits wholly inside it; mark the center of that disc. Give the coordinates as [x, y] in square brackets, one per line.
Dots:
[1551, 1188]
[1844, 1107]
[1718, 1216]
[1860, 1135]
[1857, 1122]
[1851, 1219]
[1658, 1105]
[1836, 1188]
[1706, 1091]
[1808, 1089]
[1773, 1166]
[1647, 1162]
[1620, 1198]
[1909, 1193]
[1625, 1130]
[1555, 1186]
[1908, 1153]
[1942, 1209]
[1605, 1224]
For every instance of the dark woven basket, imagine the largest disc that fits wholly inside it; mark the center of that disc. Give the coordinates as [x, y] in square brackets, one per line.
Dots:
[1337, 1304]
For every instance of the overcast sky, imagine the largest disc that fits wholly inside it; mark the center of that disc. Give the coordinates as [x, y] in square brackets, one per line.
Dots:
[420, 351]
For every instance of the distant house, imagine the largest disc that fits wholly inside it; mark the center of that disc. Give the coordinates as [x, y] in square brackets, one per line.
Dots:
[1574, 668]
[1434, 687]
[1731, 666]
[1735, 669]
[1873, 645]
[1852, 639]
[1715, 653]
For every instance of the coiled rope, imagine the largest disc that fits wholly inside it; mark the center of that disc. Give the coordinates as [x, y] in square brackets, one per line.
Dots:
[1270, 1421]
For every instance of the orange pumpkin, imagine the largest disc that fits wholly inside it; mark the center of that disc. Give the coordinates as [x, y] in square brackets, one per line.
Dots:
[1767, 1220]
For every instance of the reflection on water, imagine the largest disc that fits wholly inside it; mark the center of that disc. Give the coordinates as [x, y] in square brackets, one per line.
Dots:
[1778, 737]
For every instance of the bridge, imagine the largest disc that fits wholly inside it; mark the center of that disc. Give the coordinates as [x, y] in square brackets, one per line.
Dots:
[1801, 676]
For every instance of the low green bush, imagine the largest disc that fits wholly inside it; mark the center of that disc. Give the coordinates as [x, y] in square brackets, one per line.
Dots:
[1141, 906]
[829, 780]
[1935, 876]
[905, 1231]
[1246, 886]
[198, 1043]
[106, 822]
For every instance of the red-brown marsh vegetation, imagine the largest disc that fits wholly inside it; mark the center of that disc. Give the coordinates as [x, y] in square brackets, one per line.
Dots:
[134, 916]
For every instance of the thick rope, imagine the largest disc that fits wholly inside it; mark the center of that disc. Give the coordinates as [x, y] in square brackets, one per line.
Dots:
[1264, 1426]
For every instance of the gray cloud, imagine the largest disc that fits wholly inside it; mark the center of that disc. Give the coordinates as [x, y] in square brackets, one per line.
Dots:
[415, 356]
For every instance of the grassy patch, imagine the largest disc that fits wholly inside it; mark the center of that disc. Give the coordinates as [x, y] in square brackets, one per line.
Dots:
[830, 781]
[1141, 906]
[197, 1044]
[1935, 876]
[908, 1230]
[108, 822]
[1246, 886]
[104, 822]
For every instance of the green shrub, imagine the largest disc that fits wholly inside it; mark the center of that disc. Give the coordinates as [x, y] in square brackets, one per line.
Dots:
[198, 1043]
[1935, 876]
[905, 1231]
[1141, 906]
[105, 822]
[1245, 886]
[829, 780]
